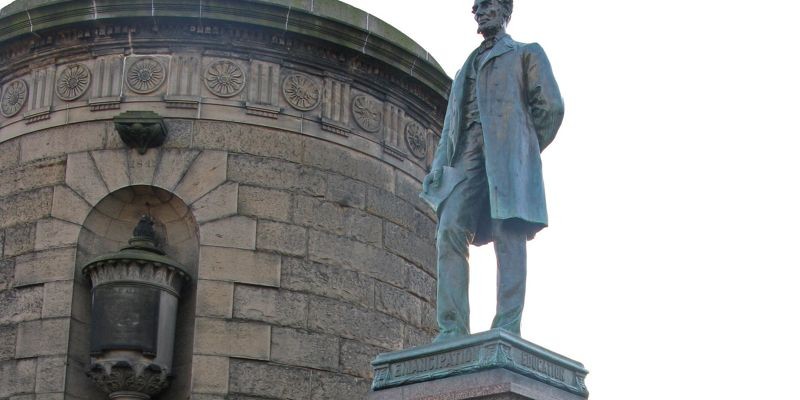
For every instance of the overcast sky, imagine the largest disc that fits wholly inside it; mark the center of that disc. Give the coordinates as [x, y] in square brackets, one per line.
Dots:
[670, 265]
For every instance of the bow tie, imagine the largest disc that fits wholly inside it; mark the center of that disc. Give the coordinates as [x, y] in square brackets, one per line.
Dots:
[487, 44]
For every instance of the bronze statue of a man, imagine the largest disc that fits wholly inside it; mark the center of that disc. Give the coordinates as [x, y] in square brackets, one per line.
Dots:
[486, 178]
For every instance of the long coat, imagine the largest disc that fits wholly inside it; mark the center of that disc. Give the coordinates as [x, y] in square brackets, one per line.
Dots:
[520, 110]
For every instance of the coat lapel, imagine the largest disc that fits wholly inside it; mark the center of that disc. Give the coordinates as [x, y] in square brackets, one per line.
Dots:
[503, 46]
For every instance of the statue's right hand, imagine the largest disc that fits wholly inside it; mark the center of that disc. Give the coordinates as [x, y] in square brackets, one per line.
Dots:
[433, 179]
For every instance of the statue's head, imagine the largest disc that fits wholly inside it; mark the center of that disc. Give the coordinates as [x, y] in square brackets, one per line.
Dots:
[492, 15]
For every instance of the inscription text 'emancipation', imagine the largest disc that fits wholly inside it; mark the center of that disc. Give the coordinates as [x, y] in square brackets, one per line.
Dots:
[437, 361]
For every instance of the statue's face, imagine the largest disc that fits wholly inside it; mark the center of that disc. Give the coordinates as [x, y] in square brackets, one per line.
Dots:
[488, 15]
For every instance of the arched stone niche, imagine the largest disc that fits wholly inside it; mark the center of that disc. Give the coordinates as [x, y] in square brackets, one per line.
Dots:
[106, 229]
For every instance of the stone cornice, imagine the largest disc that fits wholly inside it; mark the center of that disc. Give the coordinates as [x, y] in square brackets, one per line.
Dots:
[328, 20]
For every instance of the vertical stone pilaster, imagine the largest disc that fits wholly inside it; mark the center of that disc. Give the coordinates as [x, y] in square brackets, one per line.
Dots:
[262, 91]
[184, 82]
[336, 105]
[395, 119]
[106, 84]
[40, 100]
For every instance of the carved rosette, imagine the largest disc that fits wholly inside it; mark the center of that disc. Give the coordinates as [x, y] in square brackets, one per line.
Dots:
[14, 98]
[416, 140]
[145, 75]
[302, 92]
[367, 113]
[224, 78]
[73, 82]
[114, 376]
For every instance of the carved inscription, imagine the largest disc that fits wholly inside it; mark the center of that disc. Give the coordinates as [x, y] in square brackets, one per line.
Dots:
[435, 362]
[545, 367]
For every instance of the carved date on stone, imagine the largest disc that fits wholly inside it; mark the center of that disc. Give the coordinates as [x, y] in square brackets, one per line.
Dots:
[73, 82]
[141, 130]
[145, 75]
[224, 79]
[14, 98]
[416, 140]
[367, 113]
[301, 92]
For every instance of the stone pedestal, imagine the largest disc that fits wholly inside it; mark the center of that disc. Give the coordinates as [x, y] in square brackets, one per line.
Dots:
[488, 365]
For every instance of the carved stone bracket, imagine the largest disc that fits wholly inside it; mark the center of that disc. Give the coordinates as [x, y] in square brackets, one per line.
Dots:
[120, 377]
[141, 130]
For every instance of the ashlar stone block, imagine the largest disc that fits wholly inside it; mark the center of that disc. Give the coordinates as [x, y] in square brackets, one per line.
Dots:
[172, 167]
[231, 338]
[17, 376]
[53, 233]
[398, 303]
[51, 374]
[352, 322]
[406, 244]
[304, 348]
[235, 265]
[65, 139]
[269, 380]
[25, 207]
[210, 374]
[330, 386]
[206, 172]
[9, 154]
[279, 307]
[337, 219]
[34, 175]
[21, 304]
[214, 299]
[331, 157]
[8, 341]
[68, 206]
[276, 174]
[264, 203]
[328, 281]
[84, 178]
[113, 167]
[355, 358]
[356, 256]
[19, 239]
[235, 232]
[248, 139]
[45, 266]
[219, 203]
[281, 238]
[42, 337]
[57, 299]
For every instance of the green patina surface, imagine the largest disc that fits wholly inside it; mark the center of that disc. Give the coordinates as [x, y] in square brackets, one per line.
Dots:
[329, 20]
[480, 352]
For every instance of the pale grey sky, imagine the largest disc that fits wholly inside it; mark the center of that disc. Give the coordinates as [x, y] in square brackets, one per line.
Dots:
[670, 266]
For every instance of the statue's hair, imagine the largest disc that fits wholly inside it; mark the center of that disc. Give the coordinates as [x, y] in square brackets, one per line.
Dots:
[508, 8]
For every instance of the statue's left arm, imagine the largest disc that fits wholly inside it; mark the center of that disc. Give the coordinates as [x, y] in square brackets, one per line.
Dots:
[543, 97]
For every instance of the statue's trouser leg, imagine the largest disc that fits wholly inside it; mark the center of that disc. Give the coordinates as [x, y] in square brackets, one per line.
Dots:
[458, 219]
[509, 245]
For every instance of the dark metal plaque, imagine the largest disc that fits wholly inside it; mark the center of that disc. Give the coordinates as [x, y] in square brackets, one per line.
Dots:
[124, 317]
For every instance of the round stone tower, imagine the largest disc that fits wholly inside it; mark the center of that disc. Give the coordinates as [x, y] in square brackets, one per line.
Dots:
[278, 149]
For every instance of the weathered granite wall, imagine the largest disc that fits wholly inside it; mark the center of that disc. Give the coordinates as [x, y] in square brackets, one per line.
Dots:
[299, 132]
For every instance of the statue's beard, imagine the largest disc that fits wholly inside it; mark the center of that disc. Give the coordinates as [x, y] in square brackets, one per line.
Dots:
[490, 30]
